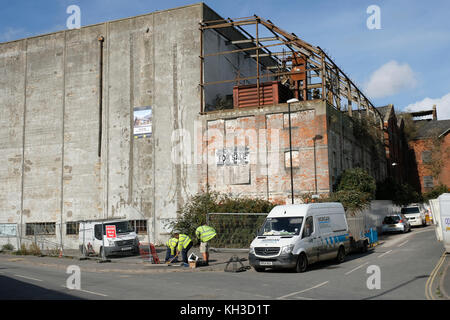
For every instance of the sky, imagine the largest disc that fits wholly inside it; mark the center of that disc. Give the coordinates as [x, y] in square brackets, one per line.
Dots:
[404, 61]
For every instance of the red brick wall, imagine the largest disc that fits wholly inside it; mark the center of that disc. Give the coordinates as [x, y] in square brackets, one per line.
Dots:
[266, 134]
[423, 170]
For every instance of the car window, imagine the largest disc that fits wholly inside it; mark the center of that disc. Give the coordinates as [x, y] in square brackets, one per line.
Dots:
[391, 219]
[309, 227]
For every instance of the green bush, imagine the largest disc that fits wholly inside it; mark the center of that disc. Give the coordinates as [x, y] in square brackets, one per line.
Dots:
[8, 247]
[435, 192]
[357, 179]
[232, 231]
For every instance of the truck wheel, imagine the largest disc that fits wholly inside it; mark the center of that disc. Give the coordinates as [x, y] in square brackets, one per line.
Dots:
[341, 255]
[365, 246]
[302, 263]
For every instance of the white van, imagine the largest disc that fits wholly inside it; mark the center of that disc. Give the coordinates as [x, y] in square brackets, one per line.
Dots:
[295, 236]
[415, 214]
[118, 237]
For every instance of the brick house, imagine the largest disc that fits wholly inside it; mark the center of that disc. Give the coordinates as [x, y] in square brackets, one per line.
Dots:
[431, 147]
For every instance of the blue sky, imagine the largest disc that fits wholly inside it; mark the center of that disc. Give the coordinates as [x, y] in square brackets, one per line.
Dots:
[405, 63]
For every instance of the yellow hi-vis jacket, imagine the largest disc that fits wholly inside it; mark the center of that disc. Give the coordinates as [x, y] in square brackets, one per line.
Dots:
[172, 244]
[205, 233]
[183, 241]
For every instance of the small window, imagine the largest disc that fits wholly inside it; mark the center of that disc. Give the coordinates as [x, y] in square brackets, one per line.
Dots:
[428, 182]
[40, 228]
[140, 226]
[426, 156]
[72, 228]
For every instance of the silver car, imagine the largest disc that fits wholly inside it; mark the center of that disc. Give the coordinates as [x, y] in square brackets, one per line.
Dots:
[395, 223]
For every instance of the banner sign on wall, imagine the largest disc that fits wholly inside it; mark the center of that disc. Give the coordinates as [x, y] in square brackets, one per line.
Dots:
[142, 122]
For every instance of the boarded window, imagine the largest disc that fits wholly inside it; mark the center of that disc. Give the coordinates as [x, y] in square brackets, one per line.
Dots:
[426, 156]
[428, 182]
[295, 159]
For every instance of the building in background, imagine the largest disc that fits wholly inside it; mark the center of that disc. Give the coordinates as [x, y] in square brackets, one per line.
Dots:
[431, 146]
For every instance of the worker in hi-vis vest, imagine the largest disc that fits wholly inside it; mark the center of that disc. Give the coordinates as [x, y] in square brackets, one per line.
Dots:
[171, 244]
[184, 244]
[205, 233]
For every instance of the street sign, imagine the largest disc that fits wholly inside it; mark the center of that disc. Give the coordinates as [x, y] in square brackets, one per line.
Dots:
[110, 231]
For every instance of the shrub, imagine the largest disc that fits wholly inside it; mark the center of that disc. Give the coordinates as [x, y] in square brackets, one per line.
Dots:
[8, 247]
[435, 192]
[230, 230]
[357, 179]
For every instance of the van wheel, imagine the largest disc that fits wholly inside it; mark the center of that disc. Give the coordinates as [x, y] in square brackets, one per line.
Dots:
[302, 263]
[259, 269]
[341, 255]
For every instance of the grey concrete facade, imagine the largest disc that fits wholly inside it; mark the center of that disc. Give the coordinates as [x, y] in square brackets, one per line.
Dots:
[67, 144]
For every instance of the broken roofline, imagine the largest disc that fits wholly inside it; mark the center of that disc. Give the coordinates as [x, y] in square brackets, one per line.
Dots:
[335, 83]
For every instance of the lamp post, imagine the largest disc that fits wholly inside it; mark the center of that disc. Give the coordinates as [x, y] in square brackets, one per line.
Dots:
[290, 146]
[317, 137]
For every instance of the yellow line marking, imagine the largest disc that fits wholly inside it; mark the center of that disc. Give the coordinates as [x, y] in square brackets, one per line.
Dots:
[429, 285]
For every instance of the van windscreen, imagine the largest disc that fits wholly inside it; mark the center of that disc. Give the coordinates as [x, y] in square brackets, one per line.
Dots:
[410, 210]
[283, 226]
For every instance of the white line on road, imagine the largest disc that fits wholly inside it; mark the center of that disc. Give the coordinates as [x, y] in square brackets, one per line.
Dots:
[91, 292]
[382, 255]
[29, 278]
[402, 243]
[298, 292]
[347, 273]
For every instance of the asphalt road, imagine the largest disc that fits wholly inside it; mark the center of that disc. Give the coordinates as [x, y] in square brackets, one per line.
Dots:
[405, 263]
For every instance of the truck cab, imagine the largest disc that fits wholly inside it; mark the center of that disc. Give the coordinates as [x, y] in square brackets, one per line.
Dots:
[294, 236]
[109, 237]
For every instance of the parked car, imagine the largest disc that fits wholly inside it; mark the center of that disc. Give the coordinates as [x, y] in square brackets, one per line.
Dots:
[415, 215]
[396, 223]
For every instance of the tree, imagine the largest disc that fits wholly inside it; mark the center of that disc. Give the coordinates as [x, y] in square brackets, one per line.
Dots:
[359, 180]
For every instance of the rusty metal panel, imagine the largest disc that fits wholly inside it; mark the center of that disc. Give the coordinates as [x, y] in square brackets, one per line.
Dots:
[270, 93]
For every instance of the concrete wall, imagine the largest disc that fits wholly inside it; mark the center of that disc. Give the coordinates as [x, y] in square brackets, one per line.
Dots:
[50, 121]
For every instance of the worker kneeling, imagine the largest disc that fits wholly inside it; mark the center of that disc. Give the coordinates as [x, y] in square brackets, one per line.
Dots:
[184, 245]
[205, 233]
[171, 244]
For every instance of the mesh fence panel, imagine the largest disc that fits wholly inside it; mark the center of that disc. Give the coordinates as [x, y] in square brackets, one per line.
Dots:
[235, 230]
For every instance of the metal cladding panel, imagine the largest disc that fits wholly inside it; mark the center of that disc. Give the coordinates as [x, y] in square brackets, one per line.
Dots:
[270, 93]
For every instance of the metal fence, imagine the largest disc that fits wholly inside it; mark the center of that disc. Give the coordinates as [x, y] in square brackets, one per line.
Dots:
[53, 238]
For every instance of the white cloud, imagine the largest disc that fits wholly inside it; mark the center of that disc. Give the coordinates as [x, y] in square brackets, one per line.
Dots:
[442, 105]
[390, 79]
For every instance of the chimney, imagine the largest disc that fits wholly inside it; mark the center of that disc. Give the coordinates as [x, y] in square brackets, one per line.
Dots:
[434, 113]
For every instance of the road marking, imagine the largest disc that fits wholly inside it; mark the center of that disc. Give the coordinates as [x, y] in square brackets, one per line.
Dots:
[382, 255]
[298, 292]
[29, 278]
[91, 292]
[347, 273]
[403, 243]
[429, 285]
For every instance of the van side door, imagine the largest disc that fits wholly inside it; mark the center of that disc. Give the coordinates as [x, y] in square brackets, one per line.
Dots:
[328, 248]
[311, 240]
